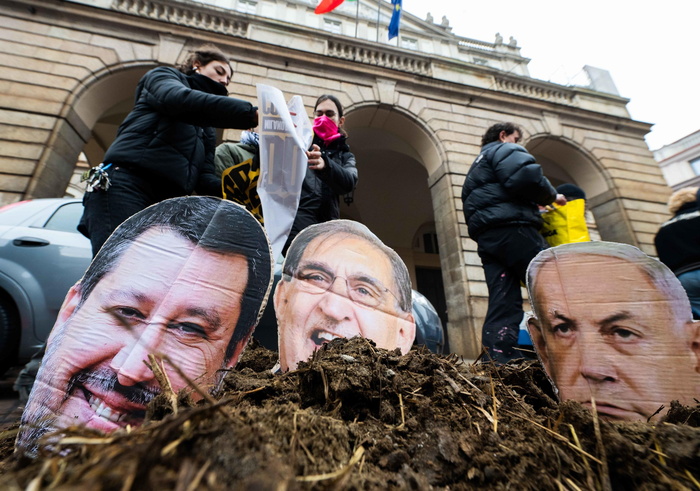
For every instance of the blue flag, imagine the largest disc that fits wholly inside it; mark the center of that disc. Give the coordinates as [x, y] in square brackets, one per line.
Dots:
[395, 19]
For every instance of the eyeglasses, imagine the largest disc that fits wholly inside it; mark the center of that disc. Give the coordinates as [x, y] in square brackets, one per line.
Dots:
[361, 290]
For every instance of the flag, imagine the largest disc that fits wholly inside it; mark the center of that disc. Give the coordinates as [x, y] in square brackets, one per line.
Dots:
[326, 6]
[395, 19]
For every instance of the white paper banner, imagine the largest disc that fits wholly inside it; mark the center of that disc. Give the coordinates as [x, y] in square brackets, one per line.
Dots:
[285, 134]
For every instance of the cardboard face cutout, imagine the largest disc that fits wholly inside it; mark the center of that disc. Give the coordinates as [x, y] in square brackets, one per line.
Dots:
[180, 284]
[614, 330]
[338, 281]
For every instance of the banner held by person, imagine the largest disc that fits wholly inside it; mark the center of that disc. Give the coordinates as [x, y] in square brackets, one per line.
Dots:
[285, 134]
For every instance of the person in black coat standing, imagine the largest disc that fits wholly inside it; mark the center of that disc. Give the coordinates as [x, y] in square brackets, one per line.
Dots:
[501, 194]
[165, 146]
[678, 242]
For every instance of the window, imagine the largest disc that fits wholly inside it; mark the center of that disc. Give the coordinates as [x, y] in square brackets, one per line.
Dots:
[425, 239]
[430, 243]
[66, 218]
[695, 164]
[224, 4]
[247, 6]
[409, 43]
[333, 26]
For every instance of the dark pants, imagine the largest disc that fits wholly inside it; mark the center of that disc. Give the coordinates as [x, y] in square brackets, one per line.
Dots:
[129, 193]
[505, 253]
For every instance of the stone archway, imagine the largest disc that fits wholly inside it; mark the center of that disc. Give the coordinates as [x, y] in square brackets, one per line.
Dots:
[395, 157]
[90, 125]
[562, 161]
[104, 106]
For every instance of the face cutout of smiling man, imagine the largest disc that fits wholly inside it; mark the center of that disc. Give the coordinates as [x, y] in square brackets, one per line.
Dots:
[614, 325]
[185, 278]
[340, 280]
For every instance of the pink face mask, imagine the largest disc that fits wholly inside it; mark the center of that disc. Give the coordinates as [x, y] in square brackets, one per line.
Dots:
[326, 129]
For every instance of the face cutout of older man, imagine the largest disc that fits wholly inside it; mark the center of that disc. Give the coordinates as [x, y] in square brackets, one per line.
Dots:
[339, 280]
[183, 279]
[613, 327]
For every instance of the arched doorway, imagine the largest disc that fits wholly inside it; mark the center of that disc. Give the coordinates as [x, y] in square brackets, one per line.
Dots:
[89, 126]
[395, 156]
[563, 160]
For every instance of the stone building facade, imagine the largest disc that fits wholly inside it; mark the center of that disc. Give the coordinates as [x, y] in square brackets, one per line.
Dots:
[680, 161]
[415, 111]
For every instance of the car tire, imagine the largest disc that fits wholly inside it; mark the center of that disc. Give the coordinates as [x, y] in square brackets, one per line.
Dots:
[9, 334]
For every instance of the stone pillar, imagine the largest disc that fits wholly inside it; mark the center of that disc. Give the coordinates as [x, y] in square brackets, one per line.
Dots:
[462, 334]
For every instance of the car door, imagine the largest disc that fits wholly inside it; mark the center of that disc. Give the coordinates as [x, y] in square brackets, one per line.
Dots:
[54, 256]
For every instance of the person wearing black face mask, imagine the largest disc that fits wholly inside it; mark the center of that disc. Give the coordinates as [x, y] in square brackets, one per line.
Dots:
[165, 146]
[331, 172]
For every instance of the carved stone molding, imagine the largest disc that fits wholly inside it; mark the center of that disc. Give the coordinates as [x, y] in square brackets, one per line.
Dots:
[379, 57]
[535, 91]
[182, 15]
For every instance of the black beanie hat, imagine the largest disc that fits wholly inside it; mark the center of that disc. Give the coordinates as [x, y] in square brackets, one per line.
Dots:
[571, 191]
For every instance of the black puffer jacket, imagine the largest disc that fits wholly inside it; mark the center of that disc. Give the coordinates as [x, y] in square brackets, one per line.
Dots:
[169, 136]
[678, 240]
[320, 191]
[504, 187]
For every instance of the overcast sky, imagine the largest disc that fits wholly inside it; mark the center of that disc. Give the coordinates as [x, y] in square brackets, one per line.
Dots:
[649, 48]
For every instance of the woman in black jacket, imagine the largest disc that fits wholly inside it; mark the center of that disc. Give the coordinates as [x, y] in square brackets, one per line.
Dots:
[165, 146]
[678, 242]
[331, 172]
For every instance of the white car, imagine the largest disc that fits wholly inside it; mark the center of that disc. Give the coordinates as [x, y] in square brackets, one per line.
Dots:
[42, 255]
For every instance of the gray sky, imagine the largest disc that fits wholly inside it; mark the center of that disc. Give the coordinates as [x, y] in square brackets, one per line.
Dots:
[649, 48]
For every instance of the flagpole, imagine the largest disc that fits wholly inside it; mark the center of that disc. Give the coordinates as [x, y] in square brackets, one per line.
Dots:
[357, 16]
[398, 34]
[379, 3]
[394, 23]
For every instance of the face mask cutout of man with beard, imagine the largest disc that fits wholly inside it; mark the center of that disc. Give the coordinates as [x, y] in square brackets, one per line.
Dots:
[185, 280]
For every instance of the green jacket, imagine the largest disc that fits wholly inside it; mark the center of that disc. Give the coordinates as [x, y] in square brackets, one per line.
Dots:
[238, 165]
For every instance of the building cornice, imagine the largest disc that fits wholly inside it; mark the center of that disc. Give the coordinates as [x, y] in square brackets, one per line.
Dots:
[286, 39]
[185, 13]
[205, 17]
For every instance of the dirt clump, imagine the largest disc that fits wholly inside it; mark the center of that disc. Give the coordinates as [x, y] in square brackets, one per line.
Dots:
[359, 417]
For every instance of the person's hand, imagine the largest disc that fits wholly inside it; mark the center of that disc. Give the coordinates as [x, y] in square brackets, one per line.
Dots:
[561, 200]
[315, 159]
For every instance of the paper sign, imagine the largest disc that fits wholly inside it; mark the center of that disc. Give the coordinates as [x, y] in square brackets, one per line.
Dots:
[285, 134]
